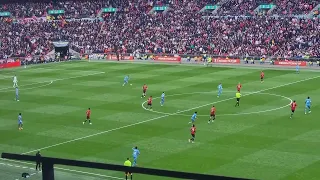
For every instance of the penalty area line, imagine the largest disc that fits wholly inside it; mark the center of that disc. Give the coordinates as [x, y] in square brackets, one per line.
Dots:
[160, 117]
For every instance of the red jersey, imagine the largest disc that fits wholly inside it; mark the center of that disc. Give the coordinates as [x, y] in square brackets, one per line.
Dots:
[149, 100]
[193, 130]
[144, 87]
[239, 86]
[262, 74]
[213, 110]
[88, 112]
[293, 106]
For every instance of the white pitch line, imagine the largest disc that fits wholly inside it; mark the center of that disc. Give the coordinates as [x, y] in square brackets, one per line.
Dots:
[62, 169]
[5, 77]
[160, 117]
[20, 167]
[32, 87]
[50, 81]
[24, 85]
[92, 74]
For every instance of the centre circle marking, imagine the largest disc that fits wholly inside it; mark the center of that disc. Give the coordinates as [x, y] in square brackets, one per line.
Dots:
[236, 114]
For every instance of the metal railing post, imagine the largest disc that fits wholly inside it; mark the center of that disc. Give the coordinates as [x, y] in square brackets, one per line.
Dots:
[47, 170]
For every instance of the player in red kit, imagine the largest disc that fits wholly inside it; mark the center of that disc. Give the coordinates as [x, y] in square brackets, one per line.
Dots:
[150, 102]
[239, 86]
[261, 76]
[144, 90]
[293, 108]
[212, 114]
[88, 113]
[193, 133]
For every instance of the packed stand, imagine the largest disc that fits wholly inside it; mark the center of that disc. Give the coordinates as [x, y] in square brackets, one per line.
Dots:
[177, 33]
[88, 8]
[295, 7]
[299, 37]
[72, 9]
[26, 9]
[12, 40]
[92, 8]
[240, 7]
[283, 7]
[27, 38]
[179, 30]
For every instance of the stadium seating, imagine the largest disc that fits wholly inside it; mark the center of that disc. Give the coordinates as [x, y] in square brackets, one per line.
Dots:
[182, 29]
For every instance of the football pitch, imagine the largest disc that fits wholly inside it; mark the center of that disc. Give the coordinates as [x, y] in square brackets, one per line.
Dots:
[256, 140]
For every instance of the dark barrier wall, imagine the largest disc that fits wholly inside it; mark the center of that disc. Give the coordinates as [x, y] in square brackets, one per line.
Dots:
[48, 170]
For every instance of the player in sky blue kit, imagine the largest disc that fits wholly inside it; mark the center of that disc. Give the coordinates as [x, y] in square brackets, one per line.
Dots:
[135, 155]
[308, 106]
[219, 90]
[126, 80]
[162, 99]
[193, 118]
[297, 68]
[20, 123]
[17, 94]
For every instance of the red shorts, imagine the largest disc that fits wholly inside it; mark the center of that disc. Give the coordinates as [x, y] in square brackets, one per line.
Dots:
[88, 117]
[239, 90]
[144, 91]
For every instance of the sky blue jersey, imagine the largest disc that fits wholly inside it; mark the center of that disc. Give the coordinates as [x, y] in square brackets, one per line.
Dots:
[135, 152]
[17, 94]
[194, 116]
[308, 102]
[19, 119]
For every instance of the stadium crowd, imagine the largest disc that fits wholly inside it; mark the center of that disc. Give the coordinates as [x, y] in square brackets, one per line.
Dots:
[92, 8]
[295, 7]
[179, 30]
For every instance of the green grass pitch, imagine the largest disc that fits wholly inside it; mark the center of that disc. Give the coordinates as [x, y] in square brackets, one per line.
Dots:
[256, 140]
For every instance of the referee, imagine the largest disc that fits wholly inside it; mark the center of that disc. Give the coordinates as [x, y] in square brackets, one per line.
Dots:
[128, 164]
[238, 96]
[38, 161]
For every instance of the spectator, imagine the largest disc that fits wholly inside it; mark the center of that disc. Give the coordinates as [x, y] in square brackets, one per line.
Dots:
[38, 161]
